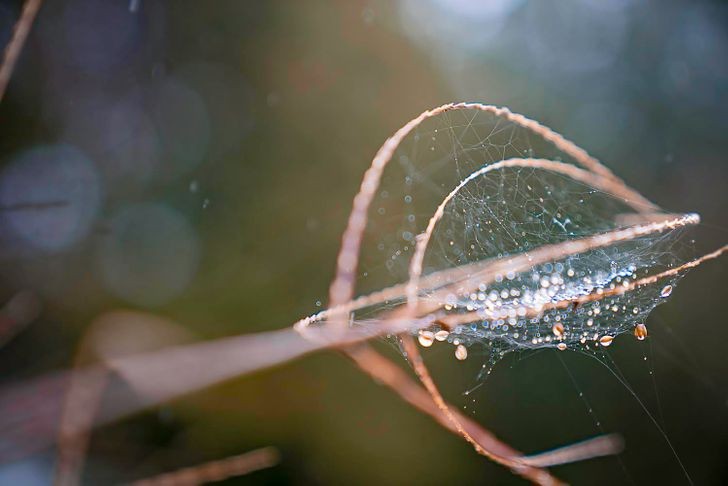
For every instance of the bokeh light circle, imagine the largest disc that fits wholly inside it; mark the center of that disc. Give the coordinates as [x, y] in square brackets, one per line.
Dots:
[150, 255]
[50, 196]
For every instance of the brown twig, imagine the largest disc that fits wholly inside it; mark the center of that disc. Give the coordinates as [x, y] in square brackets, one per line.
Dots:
[387, 373]
[15, 45]
[342, 287]
[110, 335]
[216, 470]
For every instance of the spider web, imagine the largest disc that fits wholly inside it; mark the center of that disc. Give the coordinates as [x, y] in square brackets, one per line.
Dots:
[503, 213]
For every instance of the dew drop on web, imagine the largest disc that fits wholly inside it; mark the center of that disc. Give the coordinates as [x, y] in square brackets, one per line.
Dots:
[606, 340]
[426, 338]
[640, 331]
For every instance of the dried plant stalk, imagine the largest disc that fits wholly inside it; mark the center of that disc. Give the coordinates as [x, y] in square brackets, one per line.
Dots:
[342, 288]
[15, 46]
[111, 335]
[216, 470]
[78, 418]
[387, 373]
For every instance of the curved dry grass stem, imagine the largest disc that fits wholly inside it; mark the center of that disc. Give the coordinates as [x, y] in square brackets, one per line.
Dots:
[414, 357]
[385, 372]
[606, 185]
[546, 253]
[469, 276]
[15, 45]
[412, 287]
[342, 287]
[216, 470]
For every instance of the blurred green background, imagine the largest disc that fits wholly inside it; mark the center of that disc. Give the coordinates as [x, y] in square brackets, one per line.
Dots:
[198, 160]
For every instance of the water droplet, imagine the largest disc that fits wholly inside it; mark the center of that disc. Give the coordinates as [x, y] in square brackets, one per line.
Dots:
[441, 335]
[666, 291]
[194, 186]
[640, 332]
[561, 346]
[606, 340]
[461, 352]
[558, 330]
[426, 338]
